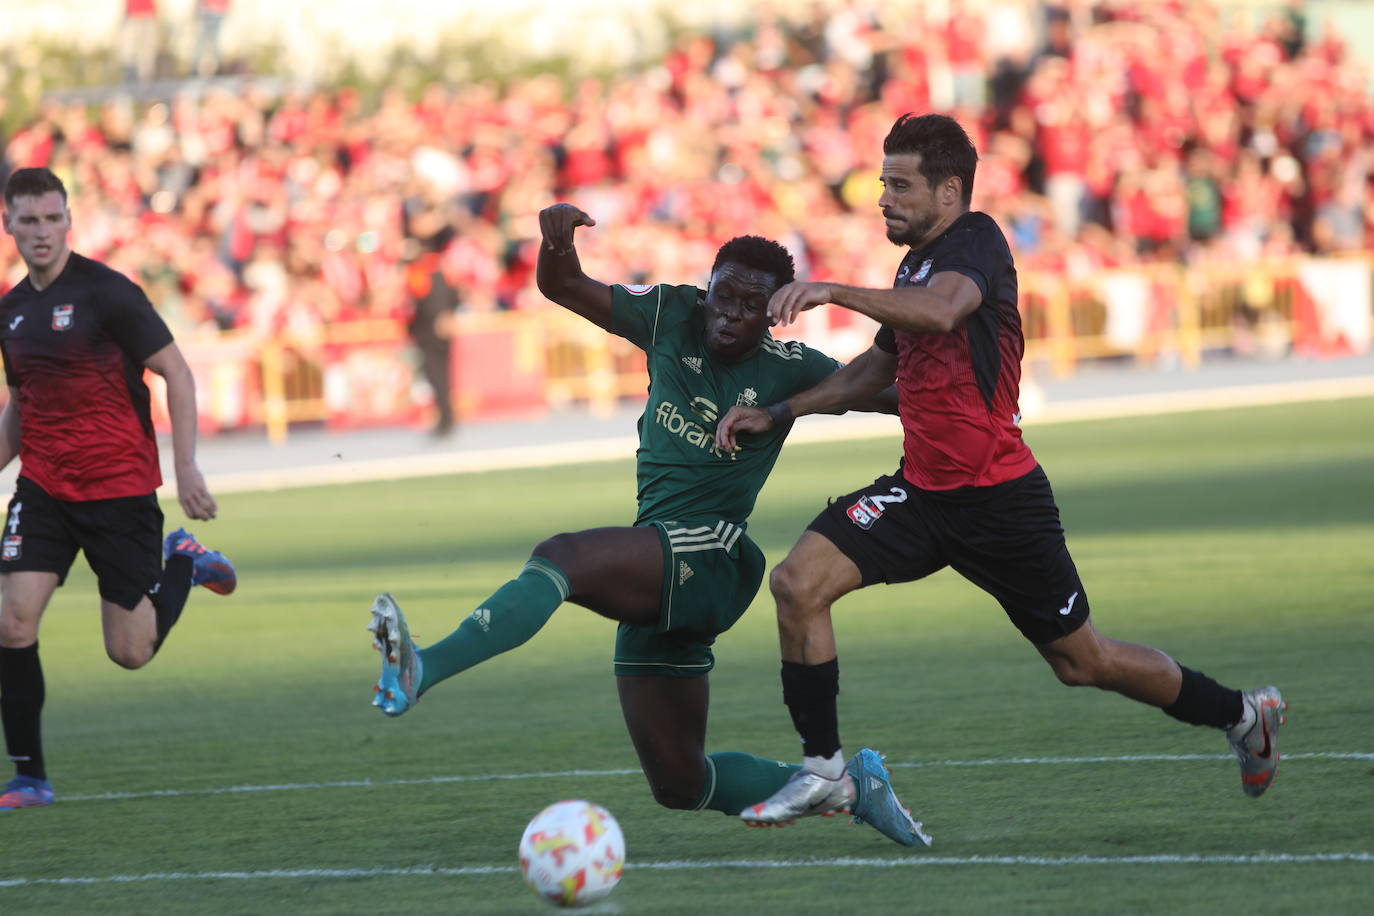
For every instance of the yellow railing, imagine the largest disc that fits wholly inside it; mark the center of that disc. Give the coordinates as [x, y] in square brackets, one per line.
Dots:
[1173, 312]
[1149, 314]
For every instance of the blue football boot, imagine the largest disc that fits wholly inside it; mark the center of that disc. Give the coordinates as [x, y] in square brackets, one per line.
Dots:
[209, 568]
[398, 689]
[877, 805]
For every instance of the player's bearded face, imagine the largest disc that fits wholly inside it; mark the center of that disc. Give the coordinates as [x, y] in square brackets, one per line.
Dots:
[907, 201]
[737, 310]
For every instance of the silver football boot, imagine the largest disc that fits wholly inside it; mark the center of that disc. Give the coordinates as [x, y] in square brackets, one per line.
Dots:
[398, 688]
[1254, 746]
[806, 794]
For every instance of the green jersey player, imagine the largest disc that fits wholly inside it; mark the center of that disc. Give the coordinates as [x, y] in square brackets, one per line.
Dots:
[686, 569]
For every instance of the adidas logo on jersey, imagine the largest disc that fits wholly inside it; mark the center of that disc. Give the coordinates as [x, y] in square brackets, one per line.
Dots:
[483, 618]
[693, 363]
[684, 572]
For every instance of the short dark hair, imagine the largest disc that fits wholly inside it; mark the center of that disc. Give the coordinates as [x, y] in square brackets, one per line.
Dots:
[32, 183]
[759, 253]
[943, 145]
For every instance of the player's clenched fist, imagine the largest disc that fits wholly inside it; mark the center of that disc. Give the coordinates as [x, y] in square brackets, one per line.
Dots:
[557, 223]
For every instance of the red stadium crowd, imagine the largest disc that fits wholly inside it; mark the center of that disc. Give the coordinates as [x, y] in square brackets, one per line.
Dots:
[1110, 132]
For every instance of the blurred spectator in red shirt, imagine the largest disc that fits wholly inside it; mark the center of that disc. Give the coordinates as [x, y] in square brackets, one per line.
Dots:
[1140, 131]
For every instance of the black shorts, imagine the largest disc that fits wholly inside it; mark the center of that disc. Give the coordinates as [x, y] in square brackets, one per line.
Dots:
[122, 540]
[1006, 539]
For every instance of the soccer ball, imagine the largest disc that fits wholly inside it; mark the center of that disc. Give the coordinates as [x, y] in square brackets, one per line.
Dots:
[572, 853]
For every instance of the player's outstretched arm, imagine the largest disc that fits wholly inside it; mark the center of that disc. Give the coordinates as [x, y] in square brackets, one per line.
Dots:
[192, 492]
[559, 272]
[863, 384]
[948, 299]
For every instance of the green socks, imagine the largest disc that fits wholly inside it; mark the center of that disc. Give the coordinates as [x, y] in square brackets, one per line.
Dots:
[517, 611]
[735, 781]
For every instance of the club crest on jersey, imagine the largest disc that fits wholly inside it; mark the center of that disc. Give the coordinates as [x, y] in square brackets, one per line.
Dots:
[13, 547]
[748, 398]
[62, 317]
[870, 508]
[923, 272]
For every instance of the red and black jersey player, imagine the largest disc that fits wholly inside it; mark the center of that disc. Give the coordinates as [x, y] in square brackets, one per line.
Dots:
[76, 337]
[969, 493]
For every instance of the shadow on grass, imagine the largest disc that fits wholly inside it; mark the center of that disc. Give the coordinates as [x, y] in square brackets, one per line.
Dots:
[1311, 494]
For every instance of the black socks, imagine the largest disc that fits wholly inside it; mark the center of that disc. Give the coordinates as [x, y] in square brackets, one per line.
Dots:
[810, 692]
[1202, 701]
[21, 708]
[170, 597]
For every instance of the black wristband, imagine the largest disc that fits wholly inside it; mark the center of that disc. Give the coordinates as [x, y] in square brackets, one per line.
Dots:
[780, 413]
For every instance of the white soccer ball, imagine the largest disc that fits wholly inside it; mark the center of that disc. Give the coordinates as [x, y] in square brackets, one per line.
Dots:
[572, 853]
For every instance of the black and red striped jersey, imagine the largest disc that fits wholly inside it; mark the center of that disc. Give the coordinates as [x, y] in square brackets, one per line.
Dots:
[958, 391]
[74, 353]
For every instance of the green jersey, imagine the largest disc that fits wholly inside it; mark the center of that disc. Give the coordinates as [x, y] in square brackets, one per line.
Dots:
[682, 475]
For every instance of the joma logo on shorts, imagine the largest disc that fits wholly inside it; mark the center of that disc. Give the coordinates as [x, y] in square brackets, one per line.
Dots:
[870, 508]
[667, 416]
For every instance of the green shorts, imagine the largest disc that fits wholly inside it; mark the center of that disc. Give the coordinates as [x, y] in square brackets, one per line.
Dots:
[711, 573]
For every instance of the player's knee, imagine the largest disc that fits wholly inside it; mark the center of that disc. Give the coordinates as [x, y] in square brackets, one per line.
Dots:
[16, 633]
[128, 656]
[560, 550]
[1076, 672]
[674, 794]
[789, 587]
[675, 785]
[673, 798]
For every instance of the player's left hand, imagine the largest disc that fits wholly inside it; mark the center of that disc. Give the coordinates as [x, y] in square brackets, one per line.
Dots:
[739, 419]
[193, 495]
[794, 298]
[556, 225]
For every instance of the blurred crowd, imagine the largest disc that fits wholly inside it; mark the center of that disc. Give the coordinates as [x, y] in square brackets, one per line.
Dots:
[1109, 133]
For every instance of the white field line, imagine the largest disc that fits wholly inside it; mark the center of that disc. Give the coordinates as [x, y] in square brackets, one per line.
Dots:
[820, 429]
[490, 777]
[420, 871]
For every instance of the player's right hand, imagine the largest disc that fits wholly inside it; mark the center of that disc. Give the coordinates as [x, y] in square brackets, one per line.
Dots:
[557, 223]
[794, 298]
[738, 420]
[194, 495]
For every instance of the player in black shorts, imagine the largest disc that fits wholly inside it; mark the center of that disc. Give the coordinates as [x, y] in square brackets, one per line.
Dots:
[686, 570]
[76, 338]
[969, 494]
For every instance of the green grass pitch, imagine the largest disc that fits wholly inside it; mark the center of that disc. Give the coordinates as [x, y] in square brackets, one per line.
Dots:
[1241, 542]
